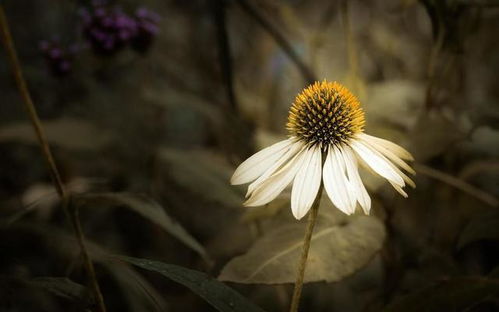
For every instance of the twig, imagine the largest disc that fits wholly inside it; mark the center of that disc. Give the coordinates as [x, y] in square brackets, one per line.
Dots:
[457, 183]
[350, 42]
[71, 214]
[279, 38]
[477, 168]
[300, 274]
[219, 8]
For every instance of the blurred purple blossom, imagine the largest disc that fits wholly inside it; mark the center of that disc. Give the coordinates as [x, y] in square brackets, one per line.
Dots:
[59, 58]
[109, 29]
[147, 24]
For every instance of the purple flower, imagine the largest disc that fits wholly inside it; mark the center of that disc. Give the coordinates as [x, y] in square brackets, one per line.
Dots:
[109, 29]
[58, 58]
[147, 24]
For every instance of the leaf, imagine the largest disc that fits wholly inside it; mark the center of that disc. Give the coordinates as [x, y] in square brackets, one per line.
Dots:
[435, 134]
[150, 210]
[139, 293]
[253, 214]
[203, 174]
[393, 103]
[220, 296]
[451, 295]
[62, 287]
[66, 132]
[340, 246]
[482, 227]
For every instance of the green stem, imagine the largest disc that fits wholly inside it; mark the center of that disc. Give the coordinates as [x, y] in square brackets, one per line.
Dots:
[65, 197]
[300, 273]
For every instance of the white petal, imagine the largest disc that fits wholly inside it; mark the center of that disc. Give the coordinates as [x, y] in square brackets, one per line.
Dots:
[397, 149]
[306, 183]
[389, 154]
[399, 189]
[353, 175]
[373, 149]
[257, 164]
[335, 182]
[274, 185]
[377, 162]
[293, 149]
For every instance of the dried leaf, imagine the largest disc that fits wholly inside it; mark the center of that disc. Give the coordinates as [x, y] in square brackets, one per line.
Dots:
[341, 245]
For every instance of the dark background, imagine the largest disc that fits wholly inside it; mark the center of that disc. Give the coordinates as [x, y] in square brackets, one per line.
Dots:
[167, 123]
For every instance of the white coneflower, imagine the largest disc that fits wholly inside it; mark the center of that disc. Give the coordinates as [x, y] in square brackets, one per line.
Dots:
[325, 120]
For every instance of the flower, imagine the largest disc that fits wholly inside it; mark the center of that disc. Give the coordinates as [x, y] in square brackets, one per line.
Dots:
[147, 25]
[325, 146]
[59, 59]
[108, 29]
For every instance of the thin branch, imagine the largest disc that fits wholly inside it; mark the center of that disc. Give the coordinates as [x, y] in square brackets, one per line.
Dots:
[458, 183]
[65, 197]
[219, 14]
[279, 38]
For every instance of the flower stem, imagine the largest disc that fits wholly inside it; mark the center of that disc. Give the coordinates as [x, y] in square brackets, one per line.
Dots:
[300, 273]
[71, 214]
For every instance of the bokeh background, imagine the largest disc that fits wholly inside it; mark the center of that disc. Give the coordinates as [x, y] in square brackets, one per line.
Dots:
[150, 105]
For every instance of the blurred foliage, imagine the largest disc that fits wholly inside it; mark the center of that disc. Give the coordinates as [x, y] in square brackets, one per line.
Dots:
[146, 143]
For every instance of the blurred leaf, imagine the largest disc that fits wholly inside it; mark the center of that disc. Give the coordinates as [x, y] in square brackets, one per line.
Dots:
[433, 135]
[482, 227]
[65, 132]
[220, 296]
[139, 294]
[150, 210]
[253, 214]
[450, 295]
[138, 291]
[204, 174]
[62, 287]
[394, 103]
[341, 245]
[484, 141]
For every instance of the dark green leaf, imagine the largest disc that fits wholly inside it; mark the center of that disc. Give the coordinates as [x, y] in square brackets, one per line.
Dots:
[62, 287]
[220, 296]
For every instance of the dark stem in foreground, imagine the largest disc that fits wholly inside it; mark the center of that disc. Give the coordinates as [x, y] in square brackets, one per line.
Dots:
[219, 8]
[300, 273]
[71, 214]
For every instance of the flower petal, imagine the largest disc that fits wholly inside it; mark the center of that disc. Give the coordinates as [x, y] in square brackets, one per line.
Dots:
[335, 182]
[353, 175]
[407, 180]
[388, 153]
[293, 149]
[395, 148]
[306, 183]
[275, 184]
[377, 162]
[399, 189]
[257, 164]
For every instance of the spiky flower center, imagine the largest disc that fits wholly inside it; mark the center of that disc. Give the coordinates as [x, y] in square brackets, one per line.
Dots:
[325, 113]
